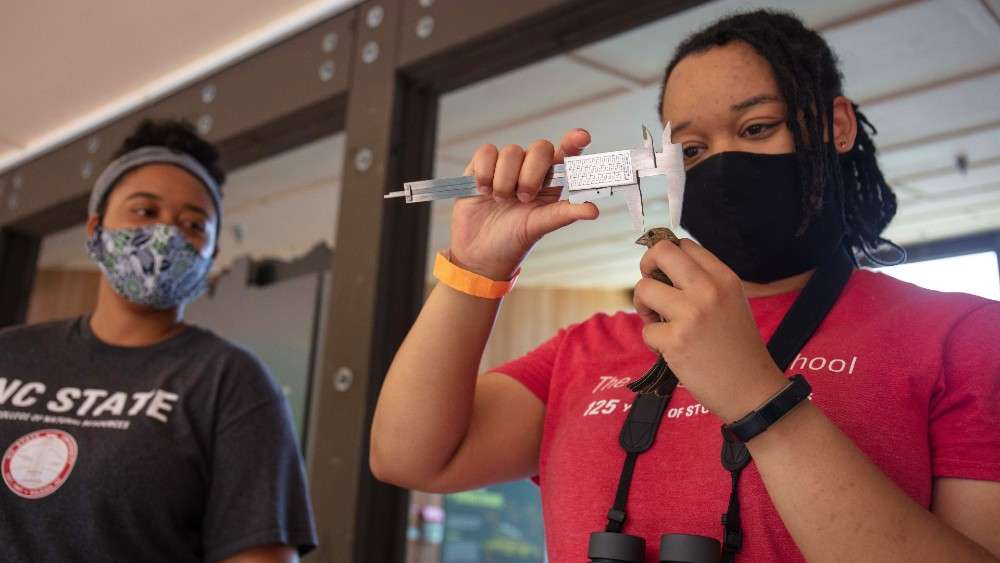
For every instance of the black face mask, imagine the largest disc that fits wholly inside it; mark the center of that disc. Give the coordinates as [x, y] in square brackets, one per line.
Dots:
[746, 208]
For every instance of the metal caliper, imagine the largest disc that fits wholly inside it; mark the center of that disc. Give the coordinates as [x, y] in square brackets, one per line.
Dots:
[586, 178]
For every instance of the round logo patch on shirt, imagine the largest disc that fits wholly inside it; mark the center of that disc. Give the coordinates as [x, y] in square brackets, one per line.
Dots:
[37, 464]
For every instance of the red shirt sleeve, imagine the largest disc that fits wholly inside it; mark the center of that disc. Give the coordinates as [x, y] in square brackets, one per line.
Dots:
[965, 406]
[534, 369]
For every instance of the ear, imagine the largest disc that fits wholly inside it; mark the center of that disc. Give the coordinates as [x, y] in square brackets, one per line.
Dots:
[93, 221]
[845, 124]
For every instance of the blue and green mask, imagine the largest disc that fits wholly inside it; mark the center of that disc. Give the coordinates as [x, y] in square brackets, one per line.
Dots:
[153, 265]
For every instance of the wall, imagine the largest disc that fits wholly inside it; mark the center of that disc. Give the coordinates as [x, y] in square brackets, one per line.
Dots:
[529, 316]
[62, 293]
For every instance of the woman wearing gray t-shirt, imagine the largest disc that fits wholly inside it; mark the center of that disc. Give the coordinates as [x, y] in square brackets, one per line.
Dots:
[127, 434]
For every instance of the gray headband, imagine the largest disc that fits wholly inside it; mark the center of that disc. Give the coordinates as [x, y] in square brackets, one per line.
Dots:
[153, 155]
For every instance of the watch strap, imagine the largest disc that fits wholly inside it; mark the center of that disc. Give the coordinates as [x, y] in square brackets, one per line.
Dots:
[746, 428]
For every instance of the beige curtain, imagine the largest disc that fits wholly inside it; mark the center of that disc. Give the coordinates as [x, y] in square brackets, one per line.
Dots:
[530, 316]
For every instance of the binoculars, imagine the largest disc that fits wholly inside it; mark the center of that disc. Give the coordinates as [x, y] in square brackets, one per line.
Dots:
[611, 547]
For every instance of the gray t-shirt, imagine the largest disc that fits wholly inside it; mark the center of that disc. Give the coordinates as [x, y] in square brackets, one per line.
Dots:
[180, 451]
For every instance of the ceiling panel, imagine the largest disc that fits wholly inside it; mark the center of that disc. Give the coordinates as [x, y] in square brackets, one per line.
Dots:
[102, 54]
[944, 184]
[935, 155]
[935, 112]
[70, 66]
[945, 226]
[903, 194]
[645, 51]
[966, 201]
[914, 45]
[554, 83]
[613, 123]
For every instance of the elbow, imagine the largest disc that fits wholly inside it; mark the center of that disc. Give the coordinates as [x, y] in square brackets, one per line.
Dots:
[390, 469]
[380, 470]
[379, 464]
[387, 467]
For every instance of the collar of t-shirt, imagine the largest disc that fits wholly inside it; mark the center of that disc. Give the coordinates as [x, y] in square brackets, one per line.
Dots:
[82, 330]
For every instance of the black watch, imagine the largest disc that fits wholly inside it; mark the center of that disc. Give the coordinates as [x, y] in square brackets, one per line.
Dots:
[744, 429]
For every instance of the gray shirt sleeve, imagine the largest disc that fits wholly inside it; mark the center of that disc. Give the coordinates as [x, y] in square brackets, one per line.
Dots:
[257, 492]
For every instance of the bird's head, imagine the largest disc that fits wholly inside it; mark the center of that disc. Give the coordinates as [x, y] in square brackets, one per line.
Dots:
[655, 235]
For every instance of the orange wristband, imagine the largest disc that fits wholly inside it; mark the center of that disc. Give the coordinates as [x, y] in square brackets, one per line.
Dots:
[468, 282]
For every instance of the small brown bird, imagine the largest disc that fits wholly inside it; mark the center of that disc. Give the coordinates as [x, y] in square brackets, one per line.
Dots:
[653, 236]
[659, 380]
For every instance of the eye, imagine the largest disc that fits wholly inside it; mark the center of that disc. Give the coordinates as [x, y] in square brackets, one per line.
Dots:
[758, 129]
[144, 211]
[691, 151]
[195, 226]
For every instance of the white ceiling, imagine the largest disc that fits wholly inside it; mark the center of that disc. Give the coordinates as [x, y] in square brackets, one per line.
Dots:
[68, 65]
[927, 74]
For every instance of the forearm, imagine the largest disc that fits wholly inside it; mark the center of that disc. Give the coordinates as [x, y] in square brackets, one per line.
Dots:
[838, 506]
[425, 405]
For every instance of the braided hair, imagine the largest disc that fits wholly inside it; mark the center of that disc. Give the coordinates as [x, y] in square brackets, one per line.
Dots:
[805, 69]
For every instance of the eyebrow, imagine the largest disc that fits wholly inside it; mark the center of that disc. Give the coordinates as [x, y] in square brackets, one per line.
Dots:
[188, 206]
[145, 195]
[753, 101]
[740, 106]
[196, 209]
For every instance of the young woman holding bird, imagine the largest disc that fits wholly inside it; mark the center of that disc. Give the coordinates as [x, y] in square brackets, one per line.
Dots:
[895, 458]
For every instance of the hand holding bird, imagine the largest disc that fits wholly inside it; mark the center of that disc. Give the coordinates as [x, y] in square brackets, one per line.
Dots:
[659, 379]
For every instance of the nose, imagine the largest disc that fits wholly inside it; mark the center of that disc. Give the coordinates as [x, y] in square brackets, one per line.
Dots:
[720, 144]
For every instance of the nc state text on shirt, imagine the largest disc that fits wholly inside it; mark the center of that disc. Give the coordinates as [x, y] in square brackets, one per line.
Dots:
[155, 404]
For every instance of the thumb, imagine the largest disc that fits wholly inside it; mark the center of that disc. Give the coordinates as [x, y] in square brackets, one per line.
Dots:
[572, 144]
[554, 216]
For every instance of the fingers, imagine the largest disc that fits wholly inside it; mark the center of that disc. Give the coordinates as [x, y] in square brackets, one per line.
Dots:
[672, 260]
[483, 165]
[513, 172]
[655, 301]
[708, 261]
[508, 168]
[548, 218]
[572, 144]
[537, 163]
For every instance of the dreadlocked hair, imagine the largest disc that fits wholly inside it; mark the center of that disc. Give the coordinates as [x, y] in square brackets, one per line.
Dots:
[807, 73]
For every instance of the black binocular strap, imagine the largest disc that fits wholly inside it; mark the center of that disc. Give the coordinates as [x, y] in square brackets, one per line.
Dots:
[637, 436]
[797, 327]
[643, 421]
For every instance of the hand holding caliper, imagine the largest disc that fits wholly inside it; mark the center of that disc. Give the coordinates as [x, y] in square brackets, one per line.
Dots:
[586, 178]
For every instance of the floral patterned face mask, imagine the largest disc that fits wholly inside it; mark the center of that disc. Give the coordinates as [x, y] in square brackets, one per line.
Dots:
[153, 265]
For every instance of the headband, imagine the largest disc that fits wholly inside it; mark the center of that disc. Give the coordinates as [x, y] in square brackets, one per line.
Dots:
[153, 155]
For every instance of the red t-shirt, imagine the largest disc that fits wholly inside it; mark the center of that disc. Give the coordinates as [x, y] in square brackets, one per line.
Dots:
[912, 376]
